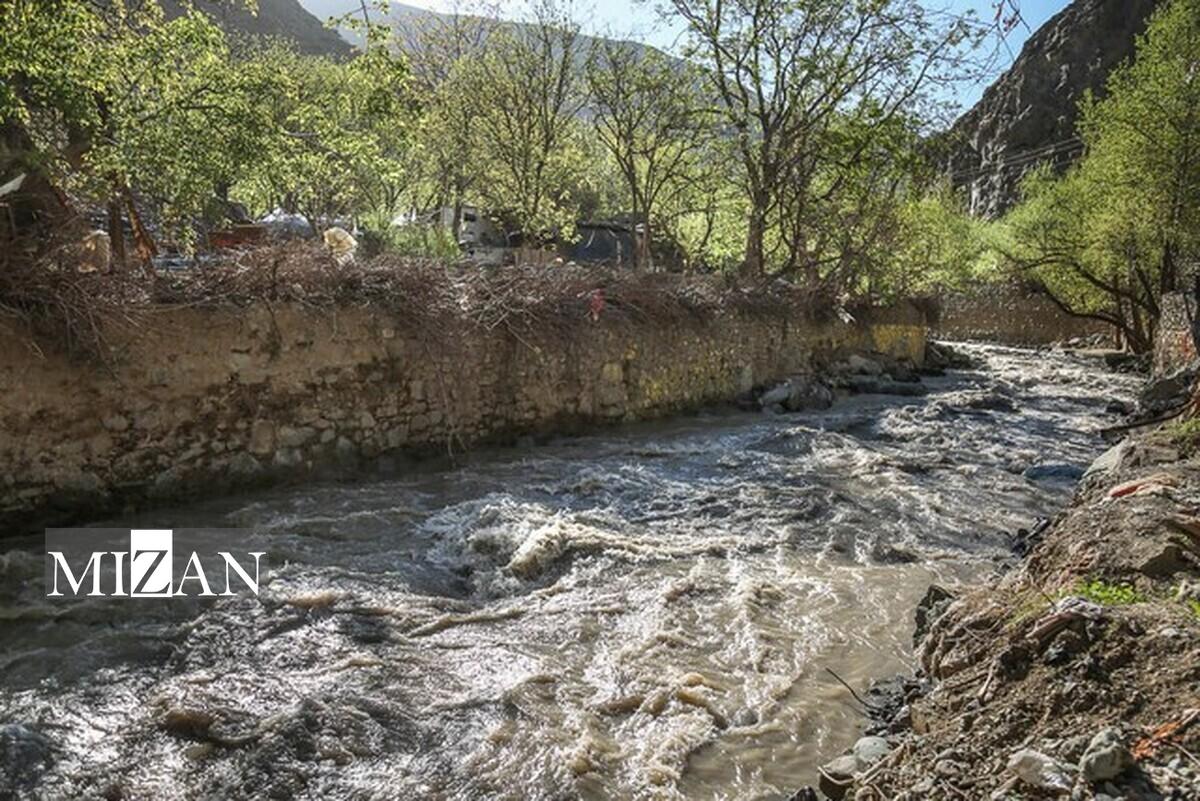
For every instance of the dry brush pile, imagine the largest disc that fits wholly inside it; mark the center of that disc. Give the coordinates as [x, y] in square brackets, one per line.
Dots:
[55, 305]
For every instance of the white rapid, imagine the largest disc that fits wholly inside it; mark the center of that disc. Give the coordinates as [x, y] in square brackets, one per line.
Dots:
[644, 613]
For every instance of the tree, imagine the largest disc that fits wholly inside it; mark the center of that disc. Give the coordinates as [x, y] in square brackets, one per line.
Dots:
[441, 50]
[341, 134]
[787, 71]
[179, 121]
[529, 77]
[652, 120]
[118, 105]
[1107, 239]
[838, 228]
[939, 247]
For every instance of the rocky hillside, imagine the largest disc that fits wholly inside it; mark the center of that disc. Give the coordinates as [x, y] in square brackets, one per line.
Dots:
[1028, 115]
[286, 19]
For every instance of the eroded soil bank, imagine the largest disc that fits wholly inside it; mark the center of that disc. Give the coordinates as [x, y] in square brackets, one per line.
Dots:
[647, 613]
[1077, 675]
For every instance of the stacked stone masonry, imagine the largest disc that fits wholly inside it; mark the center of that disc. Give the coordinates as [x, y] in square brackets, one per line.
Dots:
[206, 401]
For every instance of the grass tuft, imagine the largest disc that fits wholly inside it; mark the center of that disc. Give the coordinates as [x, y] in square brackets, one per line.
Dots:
[1106, 594]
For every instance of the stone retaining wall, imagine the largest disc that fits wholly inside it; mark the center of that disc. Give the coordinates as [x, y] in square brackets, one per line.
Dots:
[1012, 315]
[206, 401]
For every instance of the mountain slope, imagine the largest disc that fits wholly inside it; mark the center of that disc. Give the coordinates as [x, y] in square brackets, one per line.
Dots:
[1028, 115]
[409, 19]
[286, 19]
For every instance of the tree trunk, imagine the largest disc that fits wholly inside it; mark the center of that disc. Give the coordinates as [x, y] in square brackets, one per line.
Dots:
[641, 244]
[116, 233]
[754, 263]
[1168, 278]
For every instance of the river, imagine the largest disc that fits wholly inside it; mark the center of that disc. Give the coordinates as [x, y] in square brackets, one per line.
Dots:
[649, 612]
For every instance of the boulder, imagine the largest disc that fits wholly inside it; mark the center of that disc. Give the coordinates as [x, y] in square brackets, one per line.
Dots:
[807, 393]
[837, 776]
[863, 366]
[1119, 407]
[797, 394]
[935, 603]
[940, 356]
[1113, 460]
[1040, 771]
[903, 371]
[1054, 472]
[778, 395]
[869, 750]
[1106, 757]
[1169, 392]
[25, 754]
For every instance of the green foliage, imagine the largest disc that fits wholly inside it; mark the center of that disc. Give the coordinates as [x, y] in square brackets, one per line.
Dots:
[178, 118]
[1106, 594]
[800, 156]
[104, 99]
[416, 241]
[821, 116]
[652, 124]
[116, 103]
[1194, 606]
[342, 130]
[529, 137]
[46, 63]
[1184, 433]
[940, 247]
[1107, 239]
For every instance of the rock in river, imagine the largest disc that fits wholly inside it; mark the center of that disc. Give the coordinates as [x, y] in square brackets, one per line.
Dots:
[24, 756]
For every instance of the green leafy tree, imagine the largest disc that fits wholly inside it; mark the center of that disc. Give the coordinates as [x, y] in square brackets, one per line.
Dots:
[939, 247]
[342, 133]
[789, 73]
[534, 92]
[444, 160]
[119, 105]
[649, 115]
[837, 228]
[1106, 240]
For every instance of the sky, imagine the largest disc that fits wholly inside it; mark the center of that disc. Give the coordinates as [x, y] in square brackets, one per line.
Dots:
[638, 20]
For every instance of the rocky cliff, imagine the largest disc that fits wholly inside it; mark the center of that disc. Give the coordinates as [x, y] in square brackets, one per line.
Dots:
[1028, 115]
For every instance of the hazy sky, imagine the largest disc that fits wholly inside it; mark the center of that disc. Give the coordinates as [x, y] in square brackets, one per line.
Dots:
[637, 19]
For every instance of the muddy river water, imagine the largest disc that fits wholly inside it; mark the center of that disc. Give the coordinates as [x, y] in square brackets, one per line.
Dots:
[644, 613]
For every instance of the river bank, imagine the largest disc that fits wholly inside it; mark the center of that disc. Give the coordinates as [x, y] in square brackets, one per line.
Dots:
[1077, 674]
[648, 611]
[292, 371]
